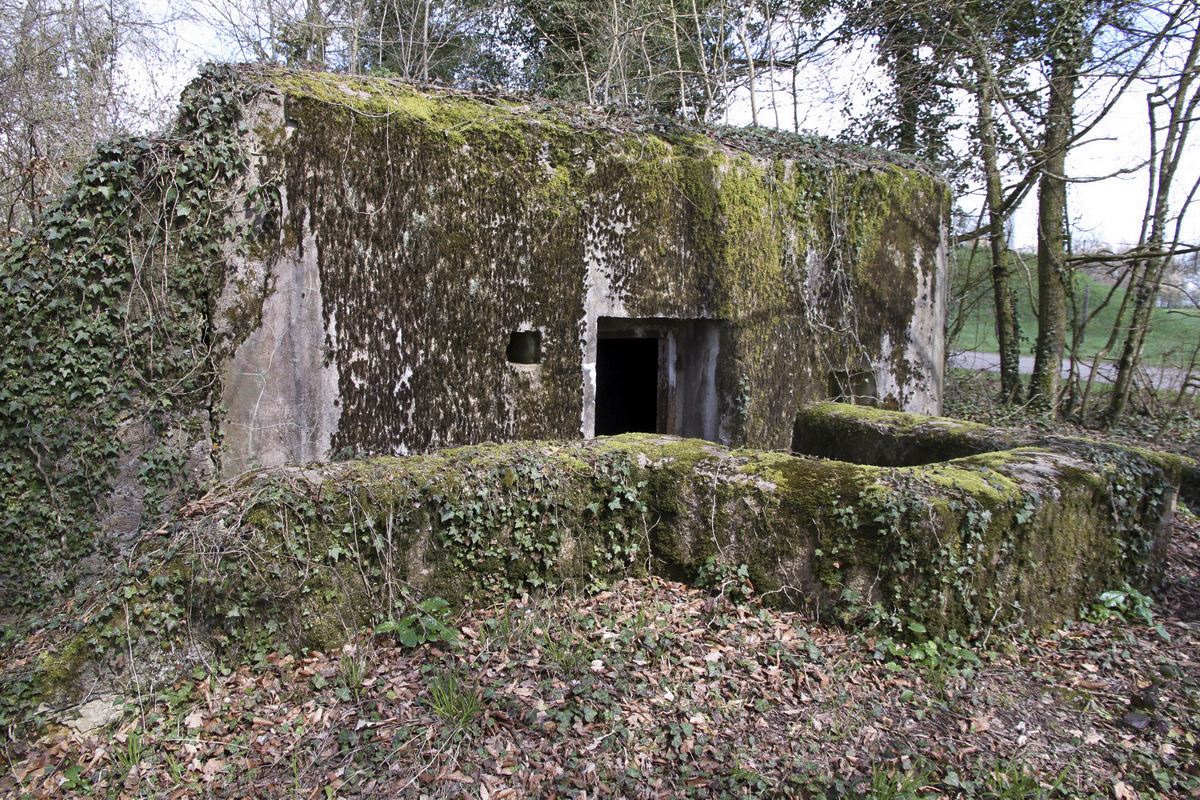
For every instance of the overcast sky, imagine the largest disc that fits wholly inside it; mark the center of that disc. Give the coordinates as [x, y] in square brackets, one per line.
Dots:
[1105, 213]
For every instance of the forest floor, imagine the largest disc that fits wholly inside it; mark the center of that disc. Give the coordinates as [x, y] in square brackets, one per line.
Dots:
[655, 689]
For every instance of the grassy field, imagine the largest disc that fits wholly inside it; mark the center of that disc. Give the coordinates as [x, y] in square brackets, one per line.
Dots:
[1174, 334]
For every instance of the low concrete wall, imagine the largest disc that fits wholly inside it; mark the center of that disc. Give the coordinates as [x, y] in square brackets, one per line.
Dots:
[1023, 537]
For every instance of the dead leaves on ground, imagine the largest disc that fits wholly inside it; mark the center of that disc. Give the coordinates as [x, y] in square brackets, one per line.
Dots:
[653, 689]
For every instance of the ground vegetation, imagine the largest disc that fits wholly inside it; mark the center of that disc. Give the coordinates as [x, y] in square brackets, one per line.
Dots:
[653, 688]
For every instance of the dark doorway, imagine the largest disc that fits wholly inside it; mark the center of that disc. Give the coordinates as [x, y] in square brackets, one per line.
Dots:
[626, 386]
[856, 387]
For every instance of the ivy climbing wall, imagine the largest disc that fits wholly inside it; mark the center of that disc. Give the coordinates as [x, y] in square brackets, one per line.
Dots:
[308, 266]
[108, 363]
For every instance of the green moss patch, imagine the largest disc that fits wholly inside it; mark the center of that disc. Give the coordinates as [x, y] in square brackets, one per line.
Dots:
[105, 372]
[124, 307]
[1016, 537]
[302, 558]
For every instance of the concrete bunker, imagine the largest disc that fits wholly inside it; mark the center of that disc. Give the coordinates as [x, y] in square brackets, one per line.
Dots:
[433, 271]
[368, 268]
[449, 271]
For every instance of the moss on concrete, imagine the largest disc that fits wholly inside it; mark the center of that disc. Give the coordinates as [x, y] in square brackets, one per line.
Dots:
[403, 191]
[60, 673]
[303, 557]
[891, 438]
[1021, 537]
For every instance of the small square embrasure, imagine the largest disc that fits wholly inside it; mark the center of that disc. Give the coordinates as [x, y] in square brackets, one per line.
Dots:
[524, 347]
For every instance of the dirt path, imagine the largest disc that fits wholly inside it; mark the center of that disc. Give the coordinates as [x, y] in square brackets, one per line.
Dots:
[1162, 378]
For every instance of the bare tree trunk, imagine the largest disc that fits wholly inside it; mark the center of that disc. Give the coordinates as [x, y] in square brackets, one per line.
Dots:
[706, 69]
[1007, 323]
[750, 80]
[1181, 103]
[675, 33]
[425, 42]
[1100, 354]
[1187, 381]
[1052, 228]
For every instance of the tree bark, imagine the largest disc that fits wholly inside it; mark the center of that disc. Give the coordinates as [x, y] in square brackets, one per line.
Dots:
[1181, 103]
[1007, 324]
[1052, 210]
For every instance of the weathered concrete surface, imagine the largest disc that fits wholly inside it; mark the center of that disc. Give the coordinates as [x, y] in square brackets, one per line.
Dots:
[312, 266]
[280, 390]
[416, 233]
[886, 438]
[1015, 538]
[894, 439]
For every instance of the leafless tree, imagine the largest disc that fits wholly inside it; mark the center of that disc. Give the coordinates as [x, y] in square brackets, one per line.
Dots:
[1171, 110]
[62, 87]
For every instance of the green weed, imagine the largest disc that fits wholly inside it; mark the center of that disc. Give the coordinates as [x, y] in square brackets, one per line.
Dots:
[453, 698]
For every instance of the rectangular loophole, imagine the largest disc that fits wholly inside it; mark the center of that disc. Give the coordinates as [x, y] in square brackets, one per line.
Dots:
[524, 347]
[853, 386]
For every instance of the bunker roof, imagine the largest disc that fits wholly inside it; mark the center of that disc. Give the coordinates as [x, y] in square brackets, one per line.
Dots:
[382, 96]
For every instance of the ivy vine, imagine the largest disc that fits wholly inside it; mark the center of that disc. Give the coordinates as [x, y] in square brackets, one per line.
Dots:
[105, 321]
[925, 560]
[290, 558]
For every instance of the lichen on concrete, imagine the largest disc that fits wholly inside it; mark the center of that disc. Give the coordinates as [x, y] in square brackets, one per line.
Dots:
[1019, 537]
[304, 556]
[442, 223]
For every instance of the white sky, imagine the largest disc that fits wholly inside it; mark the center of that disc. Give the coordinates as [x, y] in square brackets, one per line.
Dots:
[1105, 213]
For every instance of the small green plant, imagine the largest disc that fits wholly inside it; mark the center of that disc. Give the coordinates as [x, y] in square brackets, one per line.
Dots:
[453, 699]
[939, 659]
[352, 671]
[1127, 605]
[130, 755]
[427, 624]
[725, 580]
[174, 769]
[506, 628]
[564, 650]
[73, 780]
[1006, 780]
[1011, 780]
[893, 783]
[298, 773]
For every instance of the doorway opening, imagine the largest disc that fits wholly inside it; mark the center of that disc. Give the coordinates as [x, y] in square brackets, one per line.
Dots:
[657, 375]
[627, 385]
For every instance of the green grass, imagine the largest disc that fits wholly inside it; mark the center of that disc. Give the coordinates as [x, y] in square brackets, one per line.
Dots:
[1174, 333]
